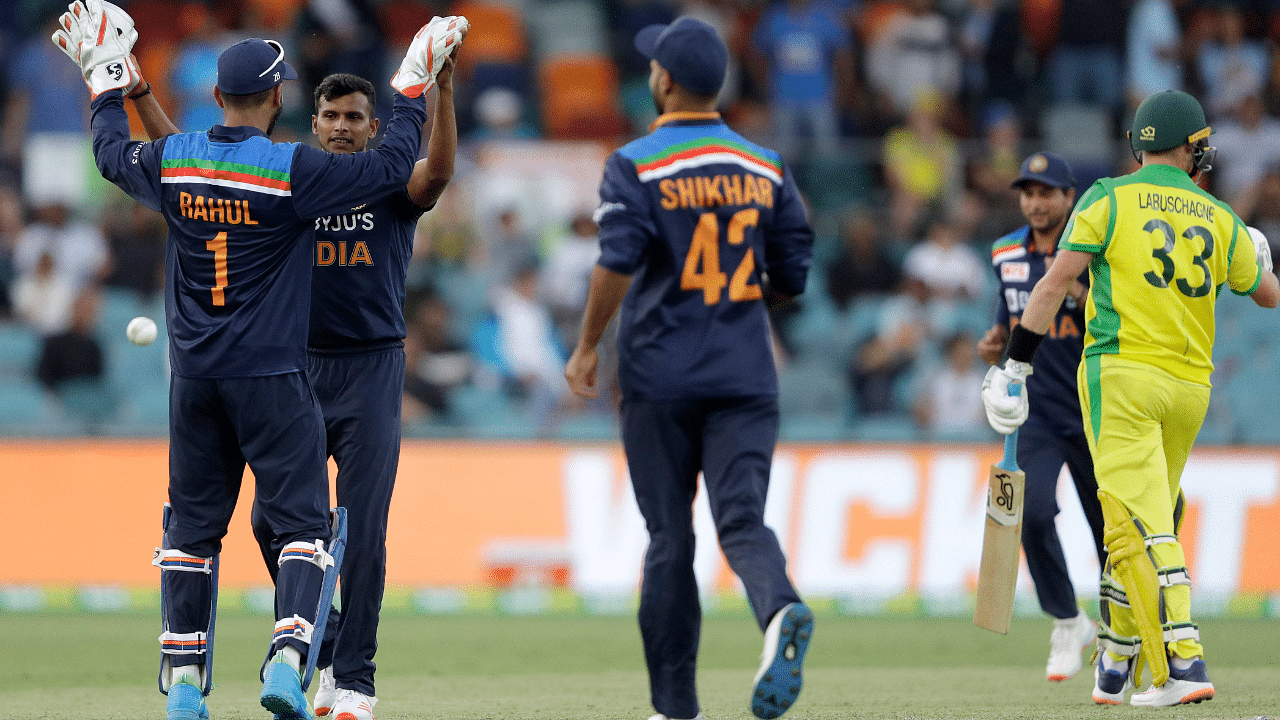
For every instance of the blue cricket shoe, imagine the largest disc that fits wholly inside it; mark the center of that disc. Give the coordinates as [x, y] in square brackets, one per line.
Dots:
[778, 682]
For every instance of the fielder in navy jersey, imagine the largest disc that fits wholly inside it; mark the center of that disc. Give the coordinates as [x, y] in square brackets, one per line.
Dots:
[692, 219]
[356, 365]
[240, 211]
[1054, 431]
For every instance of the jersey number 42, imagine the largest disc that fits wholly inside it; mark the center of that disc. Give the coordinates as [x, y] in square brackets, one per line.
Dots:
[702, 264]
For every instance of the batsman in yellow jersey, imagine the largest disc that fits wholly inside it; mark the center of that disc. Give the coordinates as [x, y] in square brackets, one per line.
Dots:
[1159, 250]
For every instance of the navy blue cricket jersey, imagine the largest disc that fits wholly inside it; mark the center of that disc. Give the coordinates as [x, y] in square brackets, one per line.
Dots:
[240, 210]
[361, 261]
[695, 214]
[1052, 387]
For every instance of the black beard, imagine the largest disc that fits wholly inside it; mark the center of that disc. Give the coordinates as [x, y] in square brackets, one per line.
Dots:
[272, 125]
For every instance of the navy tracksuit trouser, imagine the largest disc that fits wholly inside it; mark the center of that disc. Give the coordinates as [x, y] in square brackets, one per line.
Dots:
[360, 395]
[1041, 454]
[731, 440]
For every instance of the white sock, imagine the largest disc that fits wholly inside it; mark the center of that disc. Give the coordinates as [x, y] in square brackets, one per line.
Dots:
[1181, 663]
[190, 673]
[1110, 662]
[289, 654]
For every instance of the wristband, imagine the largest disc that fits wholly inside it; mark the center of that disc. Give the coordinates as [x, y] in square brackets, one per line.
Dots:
[144, 93]
[1023, 344]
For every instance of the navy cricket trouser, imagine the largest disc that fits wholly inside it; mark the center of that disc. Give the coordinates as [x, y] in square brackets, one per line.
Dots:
[1041, 454]
[216, 426]
[360, 394]
[731, 440]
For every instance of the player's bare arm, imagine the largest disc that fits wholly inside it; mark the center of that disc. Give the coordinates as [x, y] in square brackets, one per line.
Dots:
[1268, 293]
[432, 174]
[603, 298]
[1048, 294]
[991, 346]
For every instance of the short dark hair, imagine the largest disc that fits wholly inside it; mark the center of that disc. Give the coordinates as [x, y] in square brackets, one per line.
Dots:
[248, 102]
[342, 84]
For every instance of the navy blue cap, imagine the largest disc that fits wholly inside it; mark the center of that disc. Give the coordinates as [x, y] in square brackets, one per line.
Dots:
[691, 50]
[1047, 168]
[252, 66]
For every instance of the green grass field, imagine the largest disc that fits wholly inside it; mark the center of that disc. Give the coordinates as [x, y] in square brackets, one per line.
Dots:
[90, 666]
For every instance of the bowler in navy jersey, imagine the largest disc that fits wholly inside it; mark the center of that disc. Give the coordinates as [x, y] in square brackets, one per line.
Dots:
[240, 210]
[1054, 431]
[357, 367]
[693, 217]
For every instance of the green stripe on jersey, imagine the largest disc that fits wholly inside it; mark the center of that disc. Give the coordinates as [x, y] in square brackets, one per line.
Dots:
[1093, 382]
[224, 166]
[706, 142]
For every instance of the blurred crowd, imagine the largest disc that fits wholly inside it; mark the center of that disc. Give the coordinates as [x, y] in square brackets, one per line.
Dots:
[904, 122]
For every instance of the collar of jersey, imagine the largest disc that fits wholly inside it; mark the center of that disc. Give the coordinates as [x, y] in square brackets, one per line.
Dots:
[686, 118]
[1157, 168]
[222, 133]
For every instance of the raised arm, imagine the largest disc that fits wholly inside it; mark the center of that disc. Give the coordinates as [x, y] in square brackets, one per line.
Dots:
[432, 174]
[154, 120]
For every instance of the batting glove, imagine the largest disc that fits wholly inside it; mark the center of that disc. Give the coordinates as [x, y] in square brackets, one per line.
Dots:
[1262, 248]
[98, 36]
[427, 53]
[1005, 411]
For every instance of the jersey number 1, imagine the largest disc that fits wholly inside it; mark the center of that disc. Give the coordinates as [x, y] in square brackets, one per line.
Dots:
[219, 247]
[704, 252]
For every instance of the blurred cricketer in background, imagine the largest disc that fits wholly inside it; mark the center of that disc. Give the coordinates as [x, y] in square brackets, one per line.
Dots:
[1158, 250]
[356, 362]
[1053, 433]
[692, 218]
[240, 211]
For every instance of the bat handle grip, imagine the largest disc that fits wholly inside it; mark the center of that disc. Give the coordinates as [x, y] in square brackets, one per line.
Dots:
[1010, 460]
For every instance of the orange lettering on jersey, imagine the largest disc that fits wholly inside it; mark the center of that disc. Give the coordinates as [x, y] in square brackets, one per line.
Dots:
[750, 191]
[733, 189]
[688, 196]
[670, 201]
[184, 204]
[198, 212]
[324, 253]
[360, 254]
[712, 190]
[216, 211]
[247, 220]
[1068, 327]
[342, 252]
[233, 218]
[765, 191]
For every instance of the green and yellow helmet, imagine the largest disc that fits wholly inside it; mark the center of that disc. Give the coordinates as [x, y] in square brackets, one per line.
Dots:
[1168, 119]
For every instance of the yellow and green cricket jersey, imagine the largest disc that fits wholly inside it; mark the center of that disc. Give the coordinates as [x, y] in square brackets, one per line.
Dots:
[1163, 249]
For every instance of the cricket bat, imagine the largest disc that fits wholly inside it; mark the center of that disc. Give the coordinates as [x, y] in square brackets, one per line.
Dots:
[1002, 538]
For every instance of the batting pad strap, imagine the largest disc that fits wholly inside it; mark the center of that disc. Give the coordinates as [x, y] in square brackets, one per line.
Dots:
[292, 627]
[183, 643]
[312, 552]
[1112, 591]
[1181, 631]
[180, 561]
[1159, 538]
[1173, 576]
[1118, 644]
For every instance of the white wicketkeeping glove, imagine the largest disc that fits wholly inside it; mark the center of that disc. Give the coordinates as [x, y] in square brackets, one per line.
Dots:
[98, 36]
[1262, 248]
[1005, 411]
[427, 53]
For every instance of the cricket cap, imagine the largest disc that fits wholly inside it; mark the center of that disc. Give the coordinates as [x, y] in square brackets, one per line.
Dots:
[252, 66]
[691, 50]
[1047, 168]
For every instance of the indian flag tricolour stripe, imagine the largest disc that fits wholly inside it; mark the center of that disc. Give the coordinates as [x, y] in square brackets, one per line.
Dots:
[223, 174]
[705, 152]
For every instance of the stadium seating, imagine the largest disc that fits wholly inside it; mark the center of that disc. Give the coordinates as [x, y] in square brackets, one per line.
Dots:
[580, 98]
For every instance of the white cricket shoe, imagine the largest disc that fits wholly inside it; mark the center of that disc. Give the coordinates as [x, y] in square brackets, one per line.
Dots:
[660, 716]
[353, 705]
[1112, 679]
[1069, 637]
[1184, 687]
[325, 693]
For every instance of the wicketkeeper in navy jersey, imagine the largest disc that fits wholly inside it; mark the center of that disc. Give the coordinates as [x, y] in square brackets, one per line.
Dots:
[1054, 431]
[695, 224]
[240, 210]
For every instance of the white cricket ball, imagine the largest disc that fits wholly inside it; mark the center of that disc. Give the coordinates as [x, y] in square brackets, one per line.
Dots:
[141, 331]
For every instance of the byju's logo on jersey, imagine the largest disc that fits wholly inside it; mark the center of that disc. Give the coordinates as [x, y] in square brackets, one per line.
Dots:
[1015, 271]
